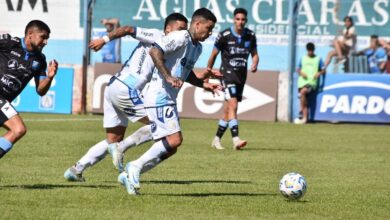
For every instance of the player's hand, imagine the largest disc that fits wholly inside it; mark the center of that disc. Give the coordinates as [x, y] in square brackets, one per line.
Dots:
[213, 88]
[174, 82]
[317, 75]
[96, 44]
[303, 75]
[253, 68]
[52, 69]
[213, 73]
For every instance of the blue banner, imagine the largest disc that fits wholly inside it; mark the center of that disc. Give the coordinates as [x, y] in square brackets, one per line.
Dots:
[351, 98]
[57, 100]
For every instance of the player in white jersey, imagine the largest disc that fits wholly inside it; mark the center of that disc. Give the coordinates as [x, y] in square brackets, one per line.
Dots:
[174, 57]
[122, 99]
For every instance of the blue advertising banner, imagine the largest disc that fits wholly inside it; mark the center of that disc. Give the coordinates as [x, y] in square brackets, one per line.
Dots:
[57, 100]
[351, 98]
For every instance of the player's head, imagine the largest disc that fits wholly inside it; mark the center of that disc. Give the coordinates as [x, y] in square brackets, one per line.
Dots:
[175, 22]
[348, 21]
[240, 18]
[374, 41]
[310, 49]
[202, 24]
[36, 35]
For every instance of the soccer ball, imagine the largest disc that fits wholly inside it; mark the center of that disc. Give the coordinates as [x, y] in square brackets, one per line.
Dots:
[293, 186]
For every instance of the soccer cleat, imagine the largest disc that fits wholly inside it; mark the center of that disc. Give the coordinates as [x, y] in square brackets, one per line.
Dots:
[117, 157]
[133, 175]
[72, 175]
[300, 121]
[217, 144]
[238, 143]
[124, 180]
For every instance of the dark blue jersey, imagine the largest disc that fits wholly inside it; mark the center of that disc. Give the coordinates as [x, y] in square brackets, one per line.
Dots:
[235, 50]
[18, 66]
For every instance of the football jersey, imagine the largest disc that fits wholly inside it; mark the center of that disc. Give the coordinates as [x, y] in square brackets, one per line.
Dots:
[138, 68]
[18, 66]
[180, 56]
[235, 50]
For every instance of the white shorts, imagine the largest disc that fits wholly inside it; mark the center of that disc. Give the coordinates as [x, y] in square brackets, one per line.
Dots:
[121, 104]
[164, 121]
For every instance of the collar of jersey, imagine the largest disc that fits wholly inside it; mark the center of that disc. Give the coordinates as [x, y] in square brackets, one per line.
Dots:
[235, 34]
[24, 46]
[191, 37]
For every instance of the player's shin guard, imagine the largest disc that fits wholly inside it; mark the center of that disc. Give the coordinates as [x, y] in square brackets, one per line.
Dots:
[233, 125]
[139, 137]
[222, 126]
[5, 146]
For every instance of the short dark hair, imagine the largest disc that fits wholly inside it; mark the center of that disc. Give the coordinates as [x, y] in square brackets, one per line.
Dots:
[348, 18]
[374, 36]
[310, 46]
[174, 17]
[204, 13]
[37, 24]
[240, 11]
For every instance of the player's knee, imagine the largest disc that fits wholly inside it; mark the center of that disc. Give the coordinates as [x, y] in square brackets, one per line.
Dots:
[175, 140]
[19, 132]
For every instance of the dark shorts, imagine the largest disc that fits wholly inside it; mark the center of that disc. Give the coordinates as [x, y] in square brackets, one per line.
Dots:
[233, 91]
[7, 111]
[309, 88]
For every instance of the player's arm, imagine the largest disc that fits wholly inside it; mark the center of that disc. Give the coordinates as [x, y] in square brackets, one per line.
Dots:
[299, 70]
[321, 69]
[213, 56]
[43, 82]
[195, 81]
[119, 32]
[255, 60]
[4, 41]
[158, 59]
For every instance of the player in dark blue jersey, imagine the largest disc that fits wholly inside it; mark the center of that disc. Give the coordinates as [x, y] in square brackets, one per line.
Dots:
[235, 44]
[21, 59]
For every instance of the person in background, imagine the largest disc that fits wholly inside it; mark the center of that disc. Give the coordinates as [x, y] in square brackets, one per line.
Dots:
[111, 51]
[344, 43]
[310, 68]
[376, 56]
[386, 46]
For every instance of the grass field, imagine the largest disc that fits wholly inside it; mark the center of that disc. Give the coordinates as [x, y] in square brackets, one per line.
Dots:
[346, 167]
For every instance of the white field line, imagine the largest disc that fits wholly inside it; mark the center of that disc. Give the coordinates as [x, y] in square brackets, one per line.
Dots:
[61, 119]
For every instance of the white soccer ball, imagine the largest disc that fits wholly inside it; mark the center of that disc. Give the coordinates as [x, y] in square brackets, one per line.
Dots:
[293, 186]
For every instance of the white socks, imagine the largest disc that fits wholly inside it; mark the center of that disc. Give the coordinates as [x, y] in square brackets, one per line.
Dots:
[94, 155]
[140, 136]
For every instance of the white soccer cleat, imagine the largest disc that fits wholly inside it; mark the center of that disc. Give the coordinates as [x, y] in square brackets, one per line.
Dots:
[133, 175]
[299, 121]
[124, 180]
[217, 144]
[238, 143]
[117, 157]
[72, 175]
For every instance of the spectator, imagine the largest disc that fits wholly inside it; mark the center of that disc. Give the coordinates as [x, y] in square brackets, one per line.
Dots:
[111, 51]
[343, 44]
[376, 55]
[386, 46]
[310, 69]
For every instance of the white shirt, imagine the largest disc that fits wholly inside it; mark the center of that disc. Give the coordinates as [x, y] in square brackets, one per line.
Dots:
[180, 56]
[138, 68]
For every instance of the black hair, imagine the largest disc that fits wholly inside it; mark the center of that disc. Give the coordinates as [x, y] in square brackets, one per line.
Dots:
[174, 17]
[42, 26]
[204, 13]
[349, 18]
[310, 46]
[374, 36]
[240, 11]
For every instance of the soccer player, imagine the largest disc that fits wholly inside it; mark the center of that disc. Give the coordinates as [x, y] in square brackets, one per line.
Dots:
[174, 57]
[235, 45]
[310, 69]
[21, 59]
[122, 99]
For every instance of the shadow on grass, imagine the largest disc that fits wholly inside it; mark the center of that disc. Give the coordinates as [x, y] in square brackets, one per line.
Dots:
[55, 186]
[218, 194]
[188, 182]
[268, 149]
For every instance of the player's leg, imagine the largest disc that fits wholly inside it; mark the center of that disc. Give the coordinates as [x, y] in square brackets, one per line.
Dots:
[166, 130]
[14, 125]
[303, 105]
[329, 57]
[236, 96]
[223, 122]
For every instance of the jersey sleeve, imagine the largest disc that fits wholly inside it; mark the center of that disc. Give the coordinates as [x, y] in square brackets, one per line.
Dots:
[173, 41]
[5, 40]
[219, 42]
[321, 65]
[146, 35]
[253, 43]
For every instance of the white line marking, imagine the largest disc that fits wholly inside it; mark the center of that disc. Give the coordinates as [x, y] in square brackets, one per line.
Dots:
[61, 119]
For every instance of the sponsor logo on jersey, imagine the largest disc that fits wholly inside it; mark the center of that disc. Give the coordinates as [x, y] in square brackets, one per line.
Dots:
[226, 33]
[15, 53]
[160, 114]
[237, 62]
[247, 43]
[35, 65]
[169, 113]
[183, 61]
[13, 64]
[153, 126]
[231, 42]
[11, 82]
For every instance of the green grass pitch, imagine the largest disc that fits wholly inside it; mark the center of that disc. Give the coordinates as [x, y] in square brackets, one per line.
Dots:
[346, 167]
